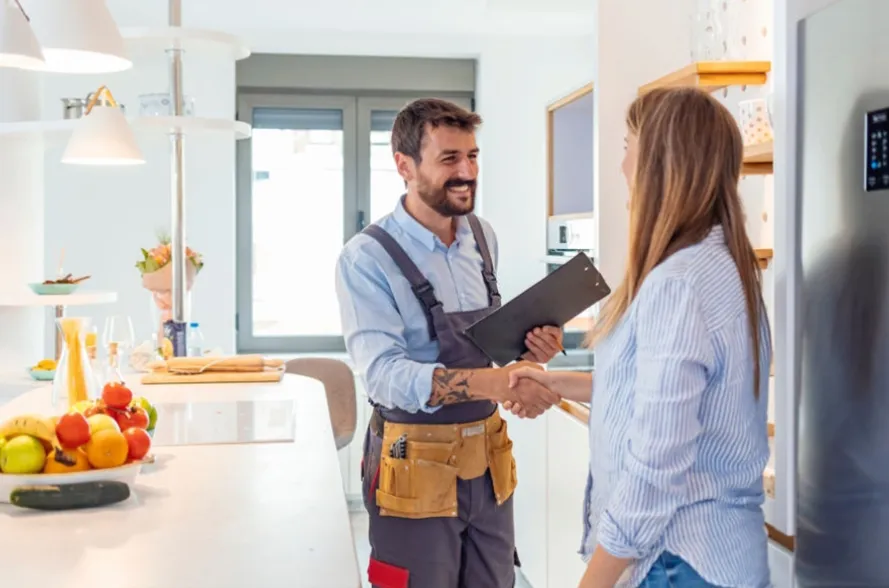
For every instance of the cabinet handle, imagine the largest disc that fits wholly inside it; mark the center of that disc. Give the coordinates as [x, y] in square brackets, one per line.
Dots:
[361, 221]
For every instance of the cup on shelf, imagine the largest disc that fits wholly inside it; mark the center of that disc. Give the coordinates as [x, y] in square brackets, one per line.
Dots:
[756, 126]
[161, 104]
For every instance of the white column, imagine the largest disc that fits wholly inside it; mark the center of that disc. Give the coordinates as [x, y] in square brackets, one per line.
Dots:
[630, 52]
[21, 222]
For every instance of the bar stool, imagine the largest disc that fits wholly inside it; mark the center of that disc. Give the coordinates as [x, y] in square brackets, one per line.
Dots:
[339, 384]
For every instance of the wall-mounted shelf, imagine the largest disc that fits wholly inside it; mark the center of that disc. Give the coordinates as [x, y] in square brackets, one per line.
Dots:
[759, 159]
[27, 298]
[714, 75]
[198, 40]
[158, 124]
[764, 256]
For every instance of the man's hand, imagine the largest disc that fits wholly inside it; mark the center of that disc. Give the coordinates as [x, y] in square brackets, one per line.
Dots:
[523, 375]
[529, 395]
[543, 344]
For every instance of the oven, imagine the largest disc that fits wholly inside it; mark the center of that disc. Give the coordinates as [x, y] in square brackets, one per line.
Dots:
[566, 236]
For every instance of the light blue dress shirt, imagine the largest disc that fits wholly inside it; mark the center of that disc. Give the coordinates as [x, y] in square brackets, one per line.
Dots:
[678, 441]
[384, 325]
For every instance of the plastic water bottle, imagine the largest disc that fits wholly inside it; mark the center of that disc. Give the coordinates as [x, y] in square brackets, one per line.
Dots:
[195, 340]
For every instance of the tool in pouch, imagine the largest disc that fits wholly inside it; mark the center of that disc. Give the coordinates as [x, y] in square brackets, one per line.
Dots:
[398, 449]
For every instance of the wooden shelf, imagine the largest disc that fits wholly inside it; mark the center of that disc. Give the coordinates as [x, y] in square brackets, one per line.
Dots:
[758, 159]
[714, 75]
[764, 256]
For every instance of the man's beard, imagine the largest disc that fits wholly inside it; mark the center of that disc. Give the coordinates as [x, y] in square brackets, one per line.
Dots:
[437, 198]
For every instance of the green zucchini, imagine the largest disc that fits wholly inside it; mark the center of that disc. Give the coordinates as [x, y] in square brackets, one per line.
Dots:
[70, 496]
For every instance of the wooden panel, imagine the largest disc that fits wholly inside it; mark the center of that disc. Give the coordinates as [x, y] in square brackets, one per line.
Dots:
[714, 75]
[758, 159]
[212, 377]
[764, 256]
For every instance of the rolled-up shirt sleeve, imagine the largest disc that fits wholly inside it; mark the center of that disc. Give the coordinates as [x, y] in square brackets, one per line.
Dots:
[373, 331]
[673, 357]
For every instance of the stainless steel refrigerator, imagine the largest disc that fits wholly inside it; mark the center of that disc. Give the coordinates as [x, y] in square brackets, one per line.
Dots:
[842, 193]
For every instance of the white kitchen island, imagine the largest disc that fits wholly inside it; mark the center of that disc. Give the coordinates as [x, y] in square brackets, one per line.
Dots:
[230, 502]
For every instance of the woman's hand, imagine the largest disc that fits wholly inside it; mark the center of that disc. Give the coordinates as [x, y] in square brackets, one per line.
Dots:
[532, 373]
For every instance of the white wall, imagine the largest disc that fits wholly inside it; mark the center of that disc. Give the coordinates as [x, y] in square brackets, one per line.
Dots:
[103, 216]
[517, 76]
[516, 81]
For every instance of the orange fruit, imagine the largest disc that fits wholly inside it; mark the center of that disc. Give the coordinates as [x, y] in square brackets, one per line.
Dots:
[107, 448]
[53, 466]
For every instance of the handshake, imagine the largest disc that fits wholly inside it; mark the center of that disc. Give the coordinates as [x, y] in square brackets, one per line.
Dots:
[530, 390]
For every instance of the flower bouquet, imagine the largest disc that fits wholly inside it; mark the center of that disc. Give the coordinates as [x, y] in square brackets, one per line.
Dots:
[157, 278]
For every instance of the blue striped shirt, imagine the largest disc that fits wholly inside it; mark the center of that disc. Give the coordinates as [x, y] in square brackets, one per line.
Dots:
[678, 441]
[384, 325]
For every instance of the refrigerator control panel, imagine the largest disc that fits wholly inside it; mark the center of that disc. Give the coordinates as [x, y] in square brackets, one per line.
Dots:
[876, 145]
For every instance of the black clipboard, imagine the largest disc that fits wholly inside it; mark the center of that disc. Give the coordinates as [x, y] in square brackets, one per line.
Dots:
[554, 300]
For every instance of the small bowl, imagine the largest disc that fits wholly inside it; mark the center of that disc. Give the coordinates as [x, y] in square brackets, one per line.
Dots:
[53, 289]
[42, 375]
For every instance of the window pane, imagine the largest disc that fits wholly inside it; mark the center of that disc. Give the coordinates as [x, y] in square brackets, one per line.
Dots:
[386, 186]
[297, 222]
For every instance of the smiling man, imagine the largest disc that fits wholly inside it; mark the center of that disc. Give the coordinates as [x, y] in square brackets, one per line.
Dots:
[438, 472]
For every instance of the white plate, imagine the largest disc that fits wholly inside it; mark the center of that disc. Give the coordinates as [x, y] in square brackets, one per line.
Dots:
[125, 473]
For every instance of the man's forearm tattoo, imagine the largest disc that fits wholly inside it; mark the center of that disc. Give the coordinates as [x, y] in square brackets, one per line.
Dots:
[450, 387]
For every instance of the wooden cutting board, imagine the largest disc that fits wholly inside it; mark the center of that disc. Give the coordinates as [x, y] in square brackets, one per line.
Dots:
[213, 377]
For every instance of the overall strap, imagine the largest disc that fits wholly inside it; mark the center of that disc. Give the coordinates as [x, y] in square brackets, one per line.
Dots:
[487, 264]
[419, 284]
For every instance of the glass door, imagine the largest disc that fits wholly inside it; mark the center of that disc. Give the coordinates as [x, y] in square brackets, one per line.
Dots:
[297, 205]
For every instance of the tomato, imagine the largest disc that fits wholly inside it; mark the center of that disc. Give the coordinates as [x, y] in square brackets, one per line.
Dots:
[73, 430]
[134, 416]
[138, 442]
[116, 395]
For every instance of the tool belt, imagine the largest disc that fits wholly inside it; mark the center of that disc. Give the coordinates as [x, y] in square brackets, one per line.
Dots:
[421, 463]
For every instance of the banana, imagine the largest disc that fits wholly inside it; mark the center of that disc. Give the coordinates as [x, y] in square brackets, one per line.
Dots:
[34, 425]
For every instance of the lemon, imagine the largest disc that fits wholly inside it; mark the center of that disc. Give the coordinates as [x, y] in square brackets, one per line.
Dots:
[167, 348]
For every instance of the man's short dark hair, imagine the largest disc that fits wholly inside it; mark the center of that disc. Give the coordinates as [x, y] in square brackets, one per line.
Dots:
[410, 124]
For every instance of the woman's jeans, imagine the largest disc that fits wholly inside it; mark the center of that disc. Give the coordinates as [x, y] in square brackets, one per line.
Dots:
[671, 571]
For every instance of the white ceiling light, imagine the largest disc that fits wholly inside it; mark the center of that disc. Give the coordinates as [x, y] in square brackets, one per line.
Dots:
[18, 45]
[78, 36]
[103, 136]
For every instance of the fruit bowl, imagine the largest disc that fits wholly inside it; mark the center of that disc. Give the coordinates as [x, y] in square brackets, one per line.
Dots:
[126, 473]
[53, 289]
[41, 375]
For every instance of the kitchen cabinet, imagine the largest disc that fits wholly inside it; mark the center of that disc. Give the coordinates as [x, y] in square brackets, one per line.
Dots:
[781, 566]
[530, 504]
[567, 450]
[569, 126]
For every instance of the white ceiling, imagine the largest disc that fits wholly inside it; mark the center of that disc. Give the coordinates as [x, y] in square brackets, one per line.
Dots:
[455, 17]
[577, 6]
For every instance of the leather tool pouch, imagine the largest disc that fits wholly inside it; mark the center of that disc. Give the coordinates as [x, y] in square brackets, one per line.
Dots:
[424, 483]
[501, 462]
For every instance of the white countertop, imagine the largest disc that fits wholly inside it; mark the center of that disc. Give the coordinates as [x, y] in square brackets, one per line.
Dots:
[221, 515]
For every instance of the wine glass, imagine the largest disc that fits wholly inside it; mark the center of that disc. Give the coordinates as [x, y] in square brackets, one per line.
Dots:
[119, 329]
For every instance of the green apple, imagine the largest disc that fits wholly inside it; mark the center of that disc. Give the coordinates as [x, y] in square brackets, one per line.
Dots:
[149, 408]
[22, 455]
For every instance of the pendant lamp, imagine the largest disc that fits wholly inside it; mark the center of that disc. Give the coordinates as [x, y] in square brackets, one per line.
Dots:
[103, 136]
[78, 36]
[18, 45]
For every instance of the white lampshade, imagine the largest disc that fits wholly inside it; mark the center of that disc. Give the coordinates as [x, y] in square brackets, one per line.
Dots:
[78, 36]
[103, 137]
[18, 45]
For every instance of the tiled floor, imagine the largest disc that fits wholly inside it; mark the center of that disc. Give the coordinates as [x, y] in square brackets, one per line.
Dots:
[359, 532]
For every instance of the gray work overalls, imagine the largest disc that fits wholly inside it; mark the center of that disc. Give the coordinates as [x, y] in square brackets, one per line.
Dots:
[475, 548]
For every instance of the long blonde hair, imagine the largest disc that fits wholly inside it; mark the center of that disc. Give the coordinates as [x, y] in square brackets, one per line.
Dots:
[685, 182]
